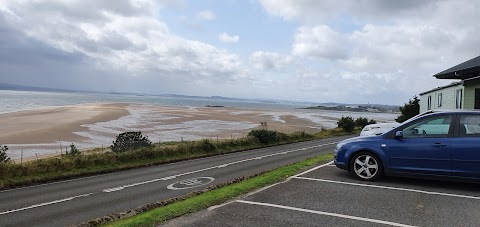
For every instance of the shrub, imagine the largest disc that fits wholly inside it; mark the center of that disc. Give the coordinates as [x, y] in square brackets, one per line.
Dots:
[206, 145]
[372, 122]
[3, 154]
[347, 124]
[130, 141]
[361, 122]
[263, 136]
[73, 150]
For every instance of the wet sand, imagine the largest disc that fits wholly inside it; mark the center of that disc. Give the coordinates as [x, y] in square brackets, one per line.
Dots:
[50, 131]
[50, 125]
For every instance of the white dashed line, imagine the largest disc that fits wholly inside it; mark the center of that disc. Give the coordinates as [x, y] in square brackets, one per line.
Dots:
[324, 213]
[390, 188]
[45, 204]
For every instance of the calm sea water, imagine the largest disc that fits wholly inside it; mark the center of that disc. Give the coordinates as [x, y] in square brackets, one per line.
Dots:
[12, 101]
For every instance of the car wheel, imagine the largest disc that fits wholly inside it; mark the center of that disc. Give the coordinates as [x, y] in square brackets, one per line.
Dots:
[366, 166]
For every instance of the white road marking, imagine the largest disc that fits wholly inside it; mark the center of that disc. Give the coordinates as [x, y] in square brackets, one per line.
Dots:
[391, 188]
[313, 169]
[324, 213]
[45, 204]
[191, 183]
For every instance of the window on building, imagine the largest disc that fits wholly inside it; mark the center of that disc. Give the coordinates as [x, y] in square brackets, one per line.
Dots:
[458, 99]
[439, 100]
[429, 102]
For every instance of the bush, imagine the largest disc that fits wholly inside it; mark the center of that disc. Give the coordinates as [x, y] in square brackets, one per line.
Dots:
[73, 150]
[347, 124]
[263, 136]
[3, 154]
[130, 141]
[361, 122]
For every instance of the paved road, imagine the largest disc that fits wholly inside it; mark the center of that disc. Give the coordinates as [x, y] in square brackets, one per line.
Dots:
[328, 196]
[79, 200]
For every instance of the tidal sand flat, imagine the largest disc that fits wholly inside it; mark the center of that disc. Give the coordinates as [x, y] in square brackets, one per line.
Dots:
[49, 131]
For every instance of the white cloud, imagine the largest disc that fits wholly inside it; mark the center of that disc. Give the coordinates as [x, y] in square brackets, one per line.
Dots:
[126, 37]
[226, 38]
[319, 41]
[206, 15]
[405, 40]
[270, 60]
[313, 11]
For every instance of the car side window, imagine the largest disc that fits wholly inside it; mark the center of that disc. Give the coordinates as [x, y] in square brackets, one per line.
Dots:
[469, 126]
[431, 127]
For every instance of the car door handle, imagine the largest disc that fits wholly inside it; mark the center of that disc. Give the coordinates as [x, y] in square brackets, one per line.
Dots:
[439, 145]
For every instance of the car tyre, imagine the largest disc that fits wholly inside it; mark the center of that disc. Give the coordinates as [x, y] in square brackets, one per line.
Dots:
[366, 166]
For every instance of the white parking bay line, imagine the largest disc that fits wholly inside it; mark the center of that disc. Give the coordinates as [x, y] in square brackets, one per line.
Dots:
[390, 188]
[324, 213]
[313, 169]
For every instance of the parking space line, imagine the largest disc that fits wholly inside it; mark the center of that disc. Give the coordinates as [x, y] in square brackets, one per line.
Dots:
[324, 213]
[313, 169]
[390, 188]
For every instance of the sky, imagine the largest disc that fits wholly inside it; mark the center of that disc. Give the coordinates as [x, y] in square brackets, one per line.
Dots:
[362, 51]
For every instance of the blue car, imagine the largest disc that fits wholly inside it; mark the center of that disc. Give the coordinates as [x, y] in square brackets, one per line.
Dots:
[434, 144]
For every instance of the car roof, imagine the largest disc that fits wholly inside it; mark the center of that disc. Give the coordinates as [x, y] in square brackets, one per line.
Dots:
[440, 112]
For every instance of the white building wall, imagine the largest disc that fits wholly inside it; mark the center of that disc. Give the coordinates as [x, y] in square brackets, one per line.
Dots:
[448, 98]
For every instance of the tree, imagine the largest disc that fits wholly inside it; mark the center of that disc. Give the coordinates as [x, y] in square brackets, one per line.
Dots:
[130, 141]
[409, 110]
[3, 154]
[73, 150]
[347, 124]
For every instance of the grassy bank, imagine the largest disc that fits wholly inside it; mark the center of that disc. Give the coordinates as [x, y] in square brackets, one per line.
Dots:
[217, 196]
[65, 167]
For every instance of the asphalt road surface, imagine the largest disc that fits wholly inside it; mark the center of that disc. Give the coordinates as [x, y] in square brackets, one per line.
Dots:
[328, 196]
[79, 200]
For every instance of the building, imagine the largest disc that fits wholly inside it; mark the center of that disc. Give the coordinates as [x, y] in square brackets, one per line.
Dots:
[463, 93]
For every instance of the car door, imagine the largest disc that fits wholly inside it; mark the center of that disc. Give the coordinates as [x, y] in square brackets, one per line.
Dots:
[466, 147]
[424, 148]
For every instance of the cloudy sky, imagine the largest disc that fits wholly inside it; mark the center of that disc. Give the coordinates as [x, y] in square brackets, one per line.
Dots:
[376, 51]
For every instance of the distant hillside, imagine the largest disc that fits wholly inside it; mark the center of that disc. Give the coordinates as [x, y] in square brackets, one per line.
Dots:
[358, 108]
[14, 87]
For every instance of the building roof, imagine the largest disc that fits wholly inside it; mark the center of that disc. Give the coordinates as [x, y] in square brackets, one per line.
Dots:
[443, 87]
[468, 69]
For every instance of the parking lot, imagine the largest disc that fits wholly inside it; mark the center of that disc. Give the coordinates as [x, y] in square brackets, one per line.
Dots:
[328, 196]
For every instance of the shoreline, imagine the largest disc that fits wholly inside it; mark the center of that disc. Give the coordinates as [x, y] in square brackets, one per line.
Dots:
[49, 130]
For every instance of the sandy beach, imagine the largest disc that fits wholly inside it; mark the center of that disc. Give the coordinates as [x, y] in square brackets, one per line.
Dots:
[48, 131]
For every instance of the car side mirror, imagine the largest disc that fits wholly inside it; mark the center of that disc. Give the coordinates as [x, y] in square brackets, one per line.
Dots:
[399, 134]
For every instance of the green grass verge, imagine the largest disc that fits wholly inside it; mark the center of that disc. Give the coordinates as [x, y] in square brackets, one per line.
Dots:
[218, 196]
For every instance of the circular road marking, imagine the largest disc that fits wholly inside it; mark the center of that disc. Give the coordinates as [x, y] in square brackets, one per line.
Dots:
[191, 183]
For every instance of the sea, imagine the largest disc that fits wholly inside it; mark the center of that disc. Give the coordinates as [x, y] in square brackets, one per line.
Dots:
[14, 101]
